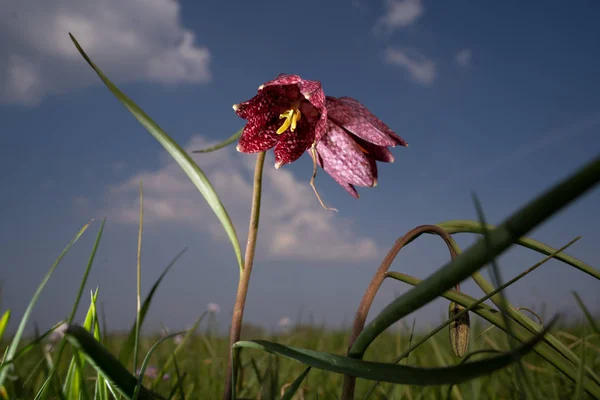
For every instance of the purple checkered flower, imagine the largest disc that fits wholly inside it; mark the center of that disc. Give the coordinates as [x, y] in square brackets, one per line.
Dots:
[355, 139]
[288, 113]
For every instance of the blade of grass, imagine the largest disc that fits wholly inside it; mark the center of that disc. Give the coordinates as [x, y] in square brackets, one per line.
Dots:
[41, 394]
[224, 143]
[30, 346]
[587, 313]
[186, 163]
[531, 325]
[127, 347]
[105, 363]
[465, 226]
[177, 349]
[14, 344]
[514, 227]
[147, 360]
[503, 305]
[394, 373]
[74, 384]
[581, 371]
[101, 388]
[544, 349]
[524, 321]
[138, 295]
[289, 393]
[4, 323]
[180, 379]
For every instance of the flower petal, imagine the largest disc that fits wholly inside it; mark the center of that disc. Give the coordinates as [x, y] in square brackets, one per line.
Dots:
[379, 153]
[282, 79]
[273, 98]
[254, 140]
[343, 158]
[354, 121]
[373, 165]
[348, 187]
[373, 120]
[292, 145]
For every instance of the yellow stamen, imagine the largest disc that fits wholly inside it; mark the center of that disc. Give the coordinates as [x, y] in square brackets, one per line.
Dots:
[292, 116]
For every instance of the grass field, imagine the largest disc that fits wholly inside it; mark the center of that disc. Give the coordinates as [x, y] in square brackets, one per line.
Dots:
[500, 352]
[197, 369]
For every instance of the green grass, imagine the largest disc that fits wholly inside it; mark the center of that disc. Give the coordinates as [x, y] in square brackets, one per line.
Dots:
[511, 353]
[202, 365]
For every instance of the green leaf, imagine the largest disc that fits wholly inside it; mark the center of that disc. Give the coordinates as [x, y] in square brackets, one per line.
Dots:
[147, 360]
[478, 255]
[465, 226]
[289, 393]
[4, 323]
[74, 383]
[545, 350]
[186, 163]
[30, 346]
[128, 345]
[584, 309]
[12, 348]
[106, 364]
[224, 143]
[171, 358]
[101, 388]
[394, 373]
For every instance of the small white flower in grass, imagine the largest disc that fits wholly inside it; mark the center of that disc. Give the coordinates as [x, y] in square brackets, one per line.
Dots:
[285, 322]
[213, 308]
[178, 339]
[58, 333]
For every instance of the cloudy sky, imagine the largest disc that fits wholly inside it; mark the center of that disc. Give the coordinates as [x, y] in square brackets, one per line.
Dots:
[501, 99]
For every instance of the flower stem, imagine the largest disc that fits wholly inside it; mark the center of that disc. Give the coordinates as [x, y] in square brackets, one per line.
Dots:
[242, 292]
[380, 275]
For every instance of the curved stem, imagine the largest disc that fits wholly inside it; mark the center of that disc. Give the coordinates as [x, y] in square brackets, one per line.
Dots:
[369, 296]
[242, 292]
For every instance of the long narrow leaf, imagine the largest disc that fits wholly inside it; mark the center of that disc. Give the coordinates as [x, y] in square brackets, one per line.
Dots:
[128, 345]
[224, 143]
[478, 255]
[289, 393]
[465, 226]
[147, 361]
[12, 348]
[105, 363]
[544, 349]
[587, 313]
[4, 323]
[73, 387]
[394, 373]
[186, 163]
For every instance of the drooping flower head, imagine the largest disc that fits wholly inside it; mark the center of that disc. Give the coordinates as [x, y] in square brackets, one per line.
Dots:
[354, 141]
[288, 113]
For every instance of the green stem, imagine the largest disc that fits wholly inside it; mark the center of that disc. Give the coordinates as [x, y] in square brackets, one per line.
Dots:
[139, 284]
[242, 292]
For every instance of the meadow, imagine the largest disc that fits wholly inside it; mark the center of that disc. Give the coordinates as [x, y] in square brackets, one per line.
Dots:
[486, 348]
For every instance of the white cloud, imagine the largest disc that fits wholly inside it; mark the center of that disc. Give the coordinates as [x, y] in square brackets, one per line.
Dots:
[420, 68]
[463, 57]
[131, 40]
[293, 225]
[400, 14]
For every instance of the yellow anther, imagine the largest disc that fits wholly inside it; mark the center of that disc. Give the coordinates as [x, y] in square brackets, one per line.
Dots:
[291, 116]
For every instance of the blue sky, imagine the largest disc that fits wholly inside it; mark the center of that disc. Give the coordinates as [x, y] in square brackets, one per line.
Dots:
[501, 99]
